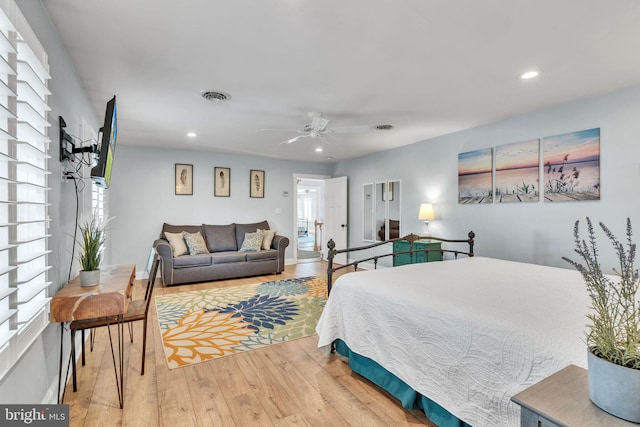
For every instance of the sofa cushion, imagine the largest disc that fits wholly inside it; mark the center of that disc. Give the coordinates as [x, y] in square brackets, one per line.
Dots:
[252, 242]
[192, 261]
[179, 229]
[262, 255]
[268, 238]
[220, 237]
[227, 257]
[195, 242]
[241, 229]
[177, 243]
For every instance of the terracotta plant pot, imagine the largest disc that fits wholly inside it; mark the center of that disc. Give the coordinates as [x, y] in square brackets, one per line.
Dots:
[614, 388]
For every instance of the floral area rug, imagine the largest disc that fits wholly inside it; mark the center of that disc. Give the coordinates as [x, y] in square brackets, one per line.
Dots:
[203, 325]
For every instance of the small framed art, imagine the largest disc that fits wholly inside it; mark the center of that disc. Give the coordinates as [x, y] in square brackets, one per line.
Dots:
[184, 179]
[256, 183]
[221, 182]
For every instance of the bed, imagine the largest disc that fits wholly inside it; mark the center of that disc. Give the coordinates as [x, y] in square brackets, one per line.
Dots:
[457, 338]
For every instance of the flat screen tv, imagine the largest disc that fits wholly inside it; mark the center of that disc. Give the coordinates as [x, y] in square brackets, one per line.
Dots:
[101, 172]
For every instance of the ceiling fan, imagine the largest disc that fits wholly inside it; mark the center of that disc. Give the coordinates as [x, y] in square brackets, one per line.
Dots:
[318, 129]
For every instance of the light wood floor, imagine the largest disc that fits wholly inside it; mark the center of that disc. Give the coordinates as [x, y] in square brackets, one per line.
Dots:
[285, 384]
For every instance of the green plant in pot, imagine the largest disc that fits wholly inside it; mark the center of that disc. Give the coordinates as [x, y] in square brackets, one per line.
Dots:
[92, 238]
[613, 338]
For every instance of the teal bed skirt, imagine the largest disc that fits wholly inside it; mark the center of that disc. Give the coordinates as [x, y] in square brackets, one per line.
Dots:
[408, 397]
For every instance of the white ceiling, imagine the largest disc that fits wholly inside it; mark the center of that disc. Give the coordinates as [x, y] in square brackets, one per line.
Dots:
[428, 67]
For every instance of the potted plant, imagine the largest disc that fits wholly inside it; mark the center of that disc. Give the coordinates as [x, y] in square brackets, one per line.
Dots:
[613, 338]
[92, 238]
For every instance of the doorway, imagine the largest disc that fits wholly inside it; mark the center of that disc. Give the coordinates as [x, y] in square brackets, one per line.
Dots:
[309, 222]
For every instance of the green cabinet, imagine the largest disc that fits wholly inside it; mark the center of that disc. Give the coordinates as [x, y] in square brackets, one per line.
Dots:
[403, 246]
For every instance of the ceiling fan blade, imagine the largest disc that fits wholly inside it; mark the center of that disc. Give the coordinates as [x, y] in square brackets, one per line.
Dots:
[319, 123]
[294, 139]
[350, 129]
[283, 130]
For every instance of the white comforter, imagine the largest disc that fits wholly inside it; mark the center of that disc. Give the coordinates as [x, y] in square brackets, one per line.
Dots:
[468, 334]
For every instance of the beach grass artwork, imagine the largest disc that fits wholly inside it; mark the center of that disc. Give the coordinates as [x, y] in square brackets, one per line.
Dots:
[518, 172]
[571, 164]
[475, 177]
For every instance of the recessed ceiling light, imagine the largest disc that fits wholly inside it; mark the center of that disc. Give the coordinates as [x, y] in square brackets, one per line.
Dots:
[530, 74]
[319, 150]
[192, 134]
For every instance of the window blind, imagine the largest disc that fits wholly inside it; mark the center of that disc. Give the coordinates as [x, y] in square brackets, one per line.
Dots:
[24, 206]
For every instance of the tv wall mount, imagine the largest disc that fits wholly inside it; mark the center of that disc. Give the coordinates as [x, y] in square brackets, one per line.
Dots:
[68, 147]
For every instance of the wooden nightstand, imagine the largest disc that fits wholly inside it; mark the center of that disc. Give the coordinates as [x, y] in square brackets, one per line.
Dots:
[563, 400]
[434, 253]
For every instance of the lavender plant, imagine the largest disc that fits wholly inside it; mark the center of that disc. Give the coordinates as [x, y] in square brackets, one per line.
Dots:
[614, 332]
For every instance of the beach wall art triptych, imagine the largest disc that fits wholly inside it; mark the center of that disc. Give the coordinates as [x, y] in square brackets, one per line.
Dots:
[557, 168]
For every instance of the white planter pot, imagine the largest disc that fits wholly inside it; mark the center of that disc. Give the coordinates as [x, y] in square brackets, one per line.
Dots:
[89, 278]
[614, 388]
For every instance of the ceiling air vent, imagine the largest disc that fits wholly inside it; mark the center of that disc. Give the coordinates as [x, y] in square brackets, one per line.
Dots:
[384, 127]
[214, 95]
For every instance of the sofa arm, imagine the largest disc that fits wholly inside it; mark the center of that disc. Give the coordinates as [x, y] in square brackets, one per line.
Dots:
[163, 248]
[280, 244]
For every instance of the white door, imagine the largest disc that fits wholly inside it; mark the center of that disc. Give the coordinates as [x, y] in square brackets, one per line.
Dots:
[336, 216]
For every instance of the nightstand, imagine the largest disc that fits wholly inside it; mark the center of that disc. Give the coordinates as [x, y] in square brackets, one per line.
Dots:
[563, 400]
[434, 253]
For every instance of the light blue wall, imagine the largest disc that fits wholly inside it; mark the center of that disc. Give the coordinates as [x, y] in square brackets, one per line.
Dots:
[33, 379]
[142, 196]
[538, 233]
[142, 192]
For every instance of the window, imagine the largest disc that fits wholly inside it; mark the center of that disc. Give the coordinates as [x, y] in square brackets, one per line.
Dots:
[24, 206]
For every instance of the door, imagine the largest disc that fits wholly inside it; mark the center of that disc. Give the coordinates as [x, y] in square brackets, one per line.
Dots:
[336, 216]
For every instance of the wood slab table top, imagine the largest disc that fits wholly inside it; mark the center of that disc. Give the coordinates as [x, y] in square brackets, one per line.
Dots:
[109, 298]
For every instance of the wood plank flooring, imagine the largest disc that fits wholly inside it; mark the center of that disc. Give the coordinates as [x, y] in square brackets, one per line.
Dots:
[288, 384]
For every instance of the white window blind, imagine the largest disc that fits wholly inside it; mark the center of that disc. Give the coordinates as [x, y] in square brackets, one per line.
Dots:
[24, 206]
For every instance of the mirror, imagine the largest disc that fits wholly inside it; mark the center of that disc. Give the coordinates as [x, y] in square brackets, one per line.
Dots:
[393, 210]
[387, 210]
[367, 212]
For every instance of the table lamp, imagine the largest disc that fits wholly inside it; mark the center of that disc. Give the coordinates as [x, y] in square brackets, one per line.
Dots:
[426, 213]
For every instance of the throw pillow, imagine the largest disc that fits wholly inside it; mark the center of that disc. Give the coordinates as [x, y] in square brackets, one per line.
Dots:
[177, 243]
[252, 242]
[268, 238]
[195, 243]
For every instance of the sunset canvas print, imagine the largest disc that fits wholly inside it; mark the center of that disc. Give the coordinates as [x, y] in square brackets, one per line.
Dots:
[572, 166]
[518, 172]
[475, 180]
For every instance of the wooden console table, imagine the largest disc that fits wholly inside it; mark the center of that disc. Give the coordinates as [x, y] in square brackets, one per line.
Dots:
[108, 299]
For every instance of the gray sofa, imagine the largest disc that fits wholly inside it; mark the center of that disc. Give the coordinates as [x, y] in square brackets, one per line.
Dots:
[224, 261]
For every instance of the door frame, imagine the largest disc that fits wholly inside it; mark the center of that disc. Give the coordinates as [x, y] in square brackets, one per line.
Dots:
[294, 227]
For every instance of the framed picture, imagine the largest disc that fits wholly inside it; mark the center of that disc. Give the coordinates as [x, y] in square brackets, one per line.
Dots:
[184, 179]
[256, 183]
[221, 182]
[517, 167]
[572, 166]
[475, 176]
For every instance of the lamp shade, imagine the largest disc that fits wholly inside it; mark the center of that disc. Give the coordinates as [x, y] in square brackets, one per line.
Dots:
[426, 212]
